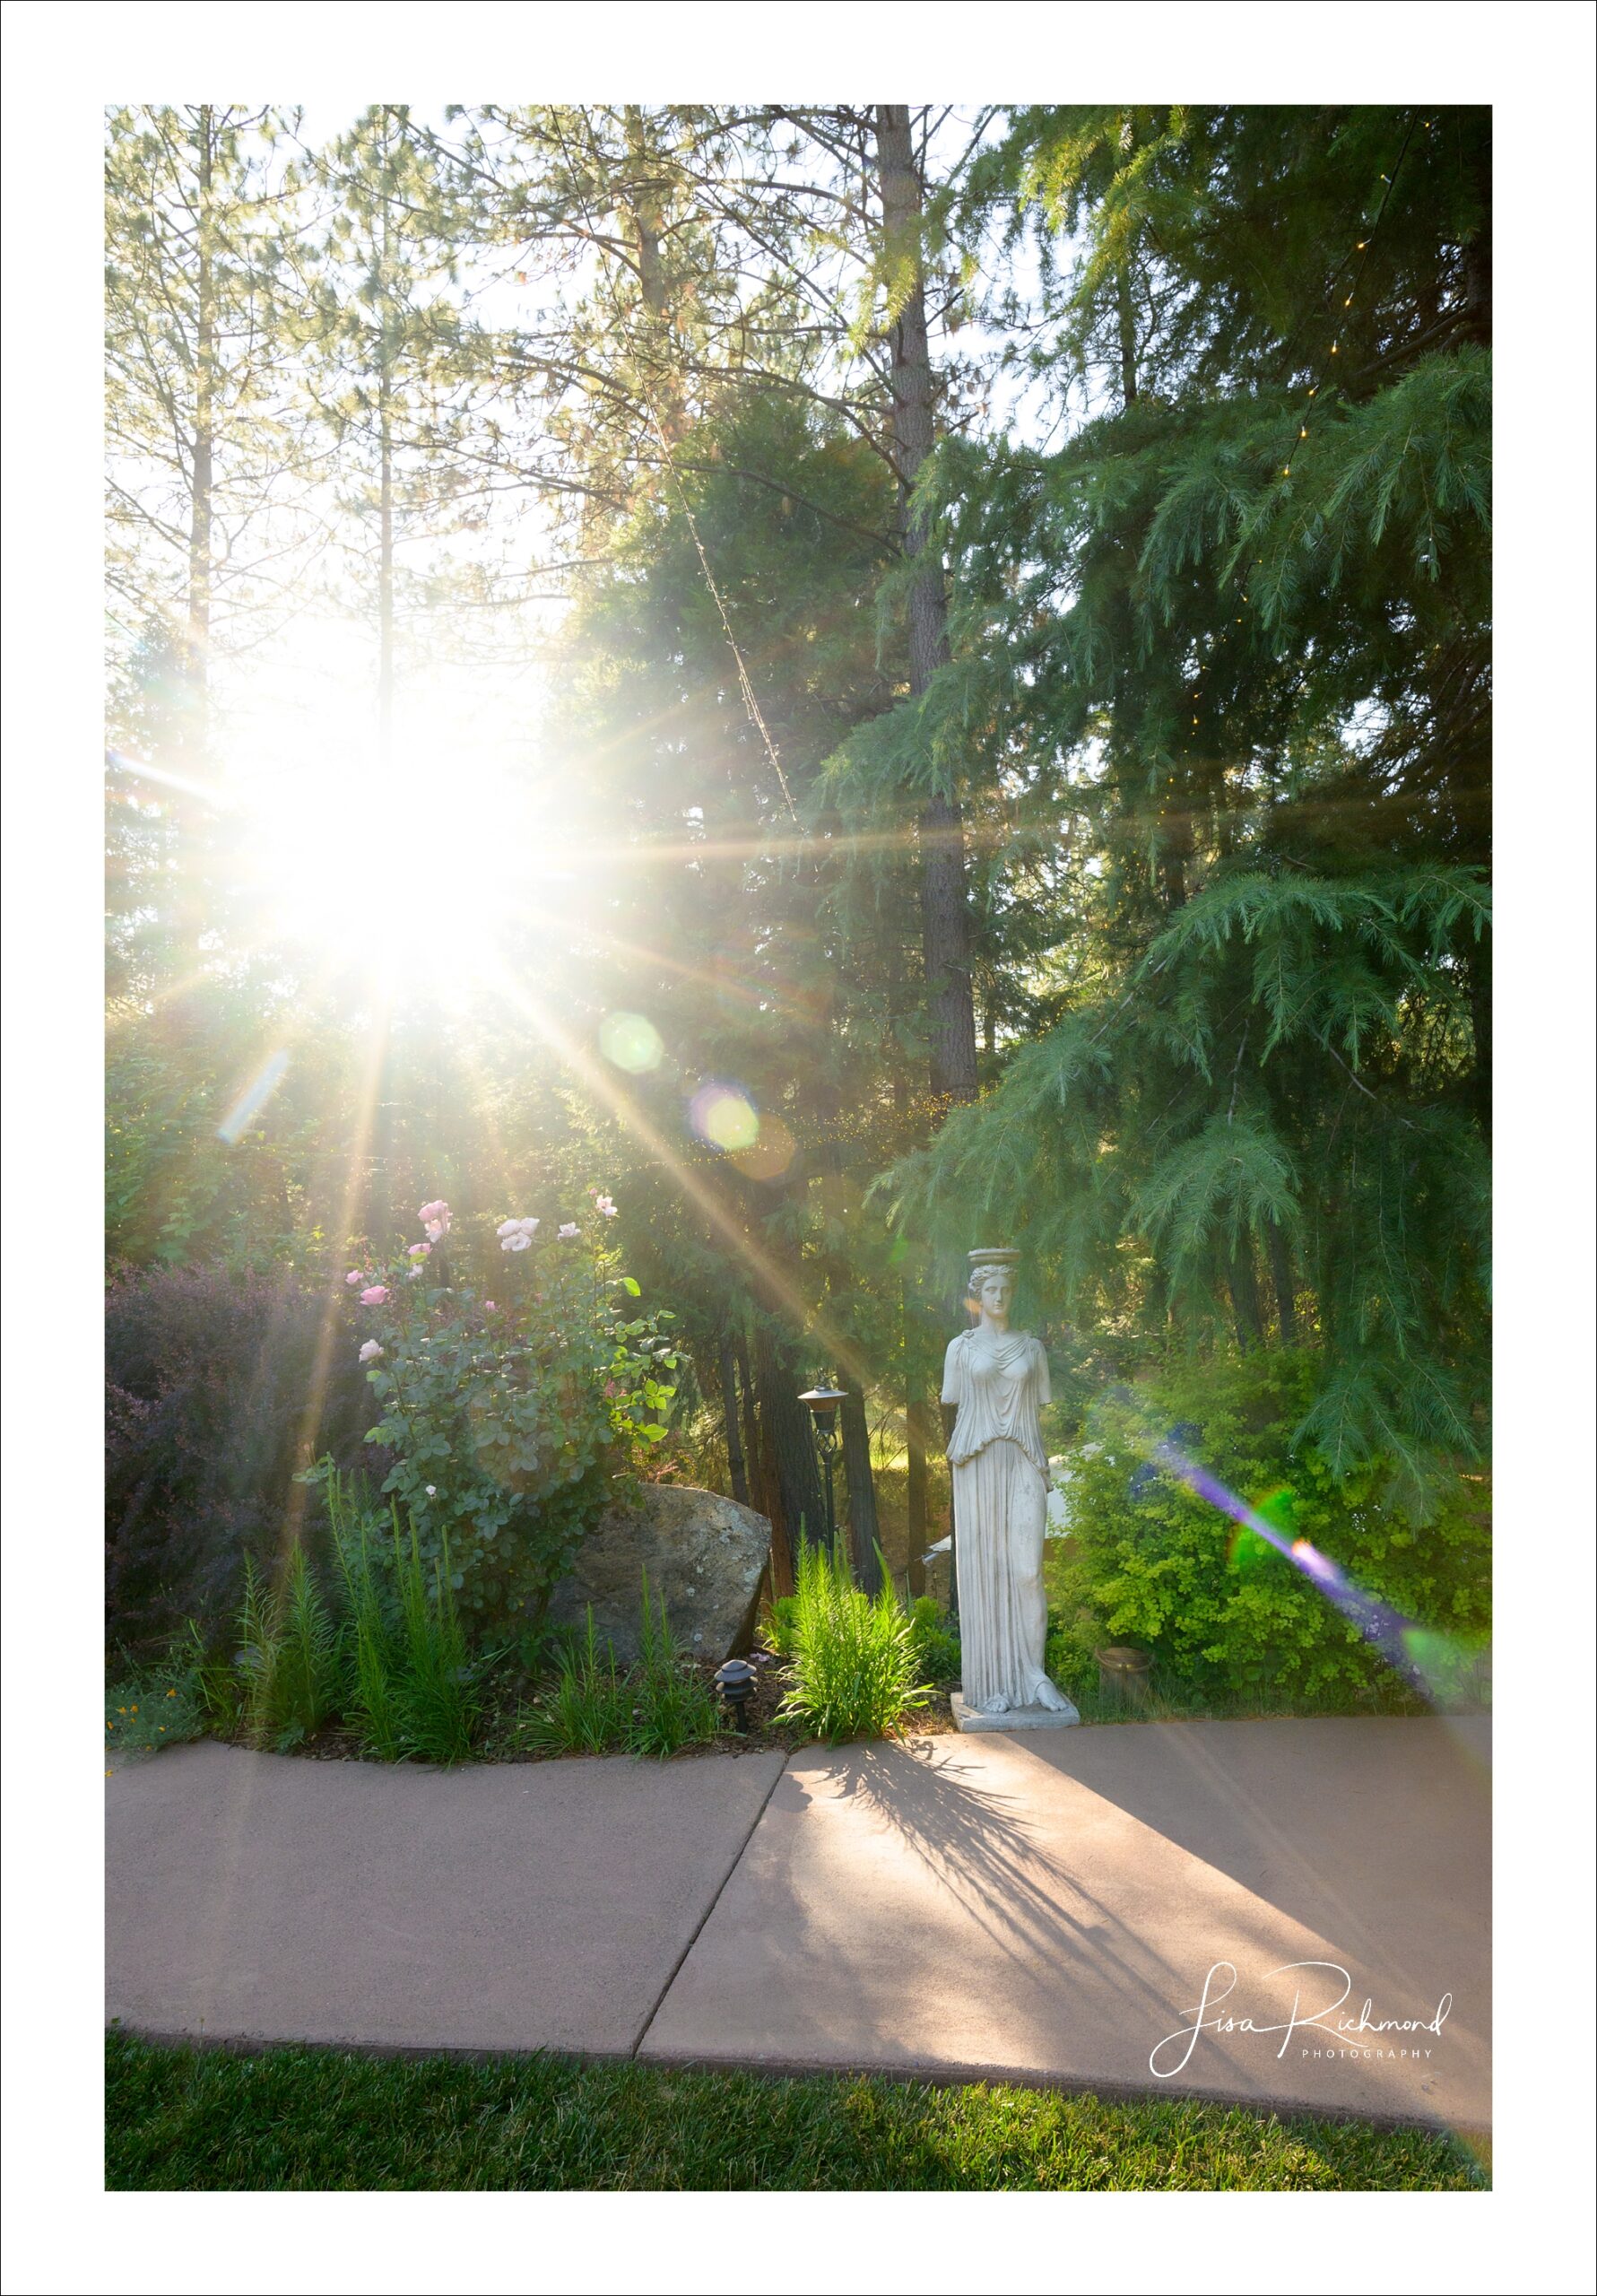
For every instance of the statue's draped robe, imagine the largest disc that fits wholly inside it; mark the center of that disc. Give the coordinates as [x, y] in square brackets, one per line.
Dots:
[1001, 1482]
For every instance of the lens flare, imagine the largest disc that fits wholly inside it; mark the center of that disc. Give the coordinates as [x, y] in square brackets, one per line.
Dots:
[724, 1118]
[630, 1042]
[1441, 1668]
[771, 1153]
[253, 1098]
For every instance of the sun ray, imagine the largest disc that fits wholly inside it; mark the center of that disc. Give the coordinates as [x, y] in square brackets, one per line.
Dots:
[310, 1417]
[767, 997]
[772, 1278]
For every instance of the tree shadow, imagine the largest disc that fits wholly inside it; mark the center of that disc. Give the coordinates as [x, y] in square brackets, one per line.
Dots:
[988, 1852]
[1372, 1832]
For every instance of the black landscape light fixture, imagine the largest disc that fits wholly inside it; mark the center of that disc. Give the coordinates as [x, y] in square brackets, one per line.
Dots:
[735, 1683]
[823, 1404]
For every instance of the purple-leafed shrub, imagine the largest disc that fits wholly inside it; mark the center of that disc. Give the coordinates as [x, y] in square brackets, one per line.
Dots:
[218, 1390]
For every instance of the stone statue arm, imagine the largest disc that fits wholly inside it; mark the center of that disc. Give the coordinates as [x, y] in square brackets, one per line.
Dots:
[1044, 1392]
[953, 1385]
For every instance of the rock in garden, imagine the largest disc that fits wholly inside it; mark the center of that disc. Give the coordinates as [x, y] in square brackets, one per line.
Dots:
[703, 1553]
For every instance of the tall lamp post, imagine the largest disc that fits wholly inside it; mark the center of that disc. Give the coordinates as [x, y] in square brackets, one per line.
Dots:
[823, 1403]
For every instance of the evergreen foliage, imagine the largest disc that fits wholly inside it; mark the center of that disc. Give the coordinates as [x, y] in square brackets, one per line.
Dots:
[1209, 734]
[1250, 666]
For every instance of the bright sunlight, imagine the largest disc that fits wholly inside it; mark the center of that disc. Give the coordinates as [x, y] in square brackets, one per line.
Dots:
[403, 875]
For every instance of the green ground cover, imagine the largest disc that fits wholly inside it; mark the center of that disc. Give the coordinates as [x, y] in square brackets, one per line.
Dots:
[321, 2120]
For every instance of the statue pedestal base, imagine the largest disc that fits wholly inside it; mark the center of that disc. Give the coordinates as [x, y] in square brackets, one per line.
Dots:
[1019, 1717]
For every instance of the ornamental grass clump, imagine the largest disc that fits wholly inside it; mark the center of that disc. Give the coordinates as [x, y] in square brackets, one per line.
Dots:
[287, 1661]
[855, 1670]
[592, 1706]
[777, 1624]
[412, 1686]
[672, 1706]
[584, 1708]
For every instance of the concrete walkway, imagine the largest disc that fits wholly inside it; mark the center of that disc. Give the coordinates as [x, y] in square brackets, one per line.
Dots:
[538, 1905]
[1045, 1908]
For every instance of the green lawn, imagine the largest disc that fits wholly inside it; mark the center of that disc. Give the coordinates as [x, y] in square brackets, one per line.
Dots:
[318, 2120]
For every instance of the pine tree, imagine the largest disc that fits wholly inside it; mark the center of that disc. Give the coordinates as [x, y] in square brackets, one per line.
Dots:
[402, 380]
[198, 448]
[1240, 622]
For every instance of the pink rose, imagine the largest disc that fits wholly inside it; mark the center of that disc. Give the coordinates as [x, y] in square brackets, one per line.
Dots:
[370, 1351]
[374, 1295]
[354, 1276]
[420, 1251]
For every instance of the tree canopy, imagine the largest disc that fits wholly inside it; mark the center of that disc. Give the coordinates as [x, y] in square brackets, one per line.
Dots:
[980, 626]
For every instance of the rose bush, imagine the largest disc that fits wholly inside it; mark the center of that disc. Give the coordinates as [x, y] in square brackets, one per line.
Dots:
[511, 1419]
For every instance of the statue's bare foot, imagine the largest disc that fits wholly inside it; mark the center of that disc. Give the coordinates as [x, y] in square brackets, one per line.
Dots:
[996, 1704]
[1047, 1696]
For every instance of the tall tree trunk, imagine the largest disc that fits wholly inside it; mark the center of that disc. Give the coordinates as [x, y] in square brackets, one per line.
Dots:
[865, 1531]
[643, 198]
[386, 588]
[781, 1555]
[1242, 1282]
[1477, 249]
[203, 477]
[385, 478]
[758, 1496]
[735, 1466]
[1282, 1283]
[795, 1473]
[1125, 313]
[945, 916]
[1128, 336]
[918, 1431]
[1478, 974]
[641, 205]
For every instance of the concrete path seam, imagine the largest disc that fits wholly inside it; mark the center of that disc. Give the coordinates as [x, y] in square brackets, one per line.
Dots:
[737, 1859]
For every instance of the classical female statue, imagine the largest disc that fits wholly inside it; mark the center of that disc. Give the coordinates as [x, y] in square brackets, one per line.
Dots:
[998, 1380]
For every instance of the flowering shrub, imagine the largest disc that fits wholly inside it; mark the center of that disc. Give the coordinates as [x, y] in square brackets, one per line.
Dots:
[509, 1417]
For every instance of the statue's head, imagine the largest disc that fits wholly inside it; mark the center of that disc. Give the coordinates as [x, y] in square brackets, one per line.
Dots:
[992, 1281]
